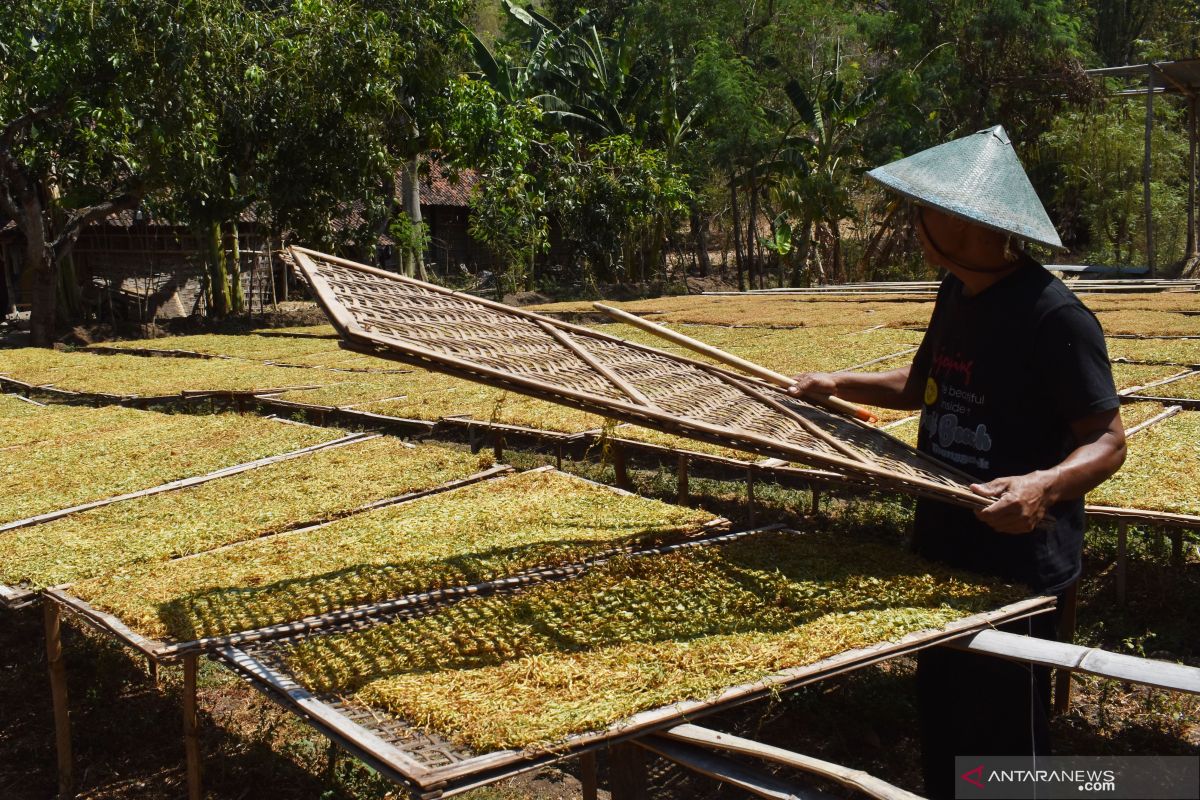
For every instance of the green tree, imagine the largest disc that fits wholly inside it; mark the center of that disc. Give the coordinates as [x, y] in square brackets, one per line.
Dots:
[93, 116]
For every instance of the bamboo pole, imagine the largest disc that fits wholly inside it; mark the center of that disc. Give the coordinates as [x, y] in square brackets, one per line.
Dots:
[52, 618]
[620, 469]
[191, 726]
[769, 375]
[627, 772]
[1122, 559]
[589, 784]
[1146, 170]
[1066, 633]
[682, 479]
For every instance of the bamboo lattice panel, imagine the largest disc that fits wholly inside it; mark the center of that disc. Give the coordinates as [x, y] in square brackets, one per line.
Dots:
[420, 323]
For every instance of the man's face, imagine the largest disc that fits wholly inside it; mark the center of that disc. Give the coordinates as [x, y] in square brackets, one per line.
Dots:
[949, 234]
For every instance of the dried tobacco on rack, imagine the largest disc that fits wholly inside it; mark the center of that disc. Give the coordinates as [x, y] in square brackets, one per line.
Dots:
[125, 537]
[473, 534]
[529, 669]
[77, 455]
[1160, 469]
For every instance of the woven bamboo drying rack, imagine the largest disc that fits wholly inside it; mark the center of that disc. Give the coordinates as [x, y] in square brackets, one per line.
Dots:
[430, 766]
[384, 314]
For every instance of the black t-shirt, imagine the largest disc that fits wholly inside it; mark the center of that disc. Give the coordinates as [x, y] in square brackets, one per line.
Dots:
[1005, 373]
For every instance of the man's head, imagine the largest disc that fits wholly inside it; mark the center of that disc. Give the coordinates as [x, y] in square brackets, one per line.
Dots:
[958, 245]
[978, 182]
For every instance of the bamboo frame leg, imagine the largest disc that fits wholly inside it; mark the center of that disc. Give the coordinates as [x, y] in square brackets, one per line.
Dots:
[627, 773]
[1122, 559]
[588, 780]
[816, 502]
[558, 456]
[152, 670]
[1066, 633]
[191, 727]
[498, 448]
[750, 497]
[52, 618]
[1177, 549]
[620, 470]
[681, 474]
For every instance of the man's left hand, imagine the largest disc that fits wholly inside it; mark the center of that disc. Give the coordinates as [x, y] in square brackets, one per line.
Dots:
[1020, 501]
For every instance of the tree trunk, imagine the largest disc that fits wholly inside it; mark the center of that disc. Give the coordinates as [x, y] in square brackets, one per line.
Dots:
[865, 265]
[700, 234]
[737, 235]
[237, 295]
[802, 249]
[218, 276]
[43, 298]
[752, 244]
[411, 187]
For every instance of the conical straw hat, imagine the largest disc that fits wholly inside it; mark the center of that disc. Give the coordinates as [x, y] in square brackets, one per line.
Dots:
[978, 178]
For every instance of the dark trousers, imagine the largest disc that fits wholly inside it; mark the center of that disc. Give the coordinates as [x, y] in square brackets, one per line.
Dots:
[981, 705]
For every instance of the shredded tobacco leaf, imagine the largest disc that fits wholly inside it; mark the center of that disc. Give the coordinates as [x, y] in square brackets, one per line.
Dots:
[124, 537]
[1160, 469]
[529, 669]
[472, 534]
[76, 455]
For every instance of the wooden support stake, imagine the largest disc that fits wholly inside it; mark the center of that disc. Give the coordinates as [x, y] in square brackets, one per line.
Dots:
[620, 470]
[1122, 559]
[627, 774]
[191, 725]
[52, 617]
[682, 479]
[1177, 548]
[498, 447]
[750, 497]
[588, 779]
[152, 669]
[816, 502]
[1066, 633]
[558, 453]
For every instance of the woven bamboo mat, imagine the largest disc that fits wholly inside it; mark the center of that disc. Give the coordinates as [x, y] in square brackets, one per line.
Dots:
[419, 323]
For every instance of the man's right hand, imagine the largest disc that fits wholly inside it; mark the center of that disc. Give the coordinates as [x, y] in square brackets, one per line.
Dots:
[814, 384]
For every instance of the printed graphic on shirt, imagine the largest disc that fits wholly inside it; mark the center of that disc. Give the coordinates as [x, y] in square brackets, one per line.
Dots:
[952, 410]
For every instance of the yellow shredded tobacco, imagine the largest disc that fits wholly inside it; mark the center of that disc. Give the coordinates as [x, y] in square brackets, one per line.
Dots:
[1160, 469]
[148, 376]
[76, 455]
[472, 534]
[530, 669]
[126, 536]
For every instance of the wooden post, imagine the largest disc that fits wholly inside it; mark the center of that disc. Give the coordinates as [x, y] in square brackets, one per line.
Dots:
[558, 451]
[1146, 169]
[682, 479]
[627, 773]
[191, 725]
[498, 448]
[816, 502]
[588, 780]
[1066, 633]
[1122, 559]
[620, 471]
[1193, 246]
[152, 669]
[1177, 559]
[750, 496]
[52, 618]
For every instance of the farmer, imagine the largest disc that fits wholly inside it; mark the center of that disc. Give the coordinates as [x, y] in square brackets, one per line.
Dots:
[1015, 388]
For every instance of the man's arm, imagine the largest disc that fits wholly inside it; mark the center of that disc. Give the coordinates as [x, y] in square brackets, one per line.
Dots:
[1021, 501]
[894, 389]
